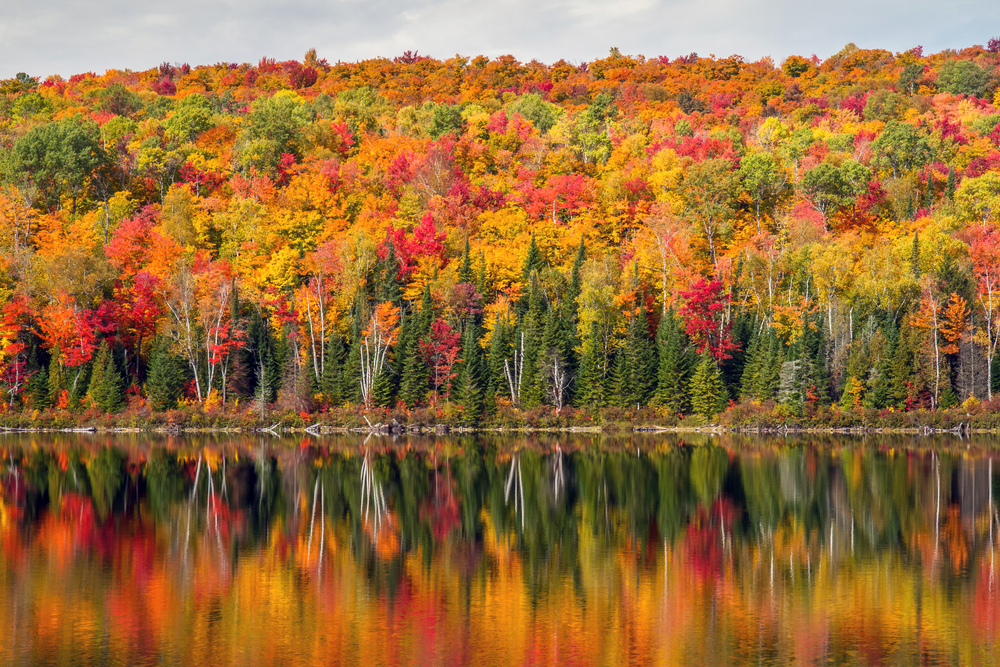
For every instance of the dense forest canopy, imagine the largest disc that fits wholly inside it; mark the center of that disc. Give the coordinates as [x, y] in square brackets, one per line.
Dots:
[479, 235]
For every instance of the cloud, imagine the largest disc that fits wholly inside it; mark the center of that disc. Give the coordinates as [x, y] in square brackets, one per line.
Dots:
[69, 36]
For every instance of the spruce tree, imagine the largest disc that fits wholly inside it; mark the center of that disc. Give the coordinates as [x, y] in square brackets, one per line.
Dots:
[592, 387]
[929, 193]
[330, 384]
[107, 390]
[674, 365]
[532, 382]
[350, 382]
[165, 378]
[465, 270]
[708, 394]
[500, 350]
[57, 378]
[387, 276]
[416, 374]
[640, 367]
[468, 384]
[38, 384]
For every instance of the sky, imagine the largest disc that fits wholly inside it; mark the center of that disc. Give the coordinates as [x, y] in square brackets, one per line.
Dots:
[65, 37]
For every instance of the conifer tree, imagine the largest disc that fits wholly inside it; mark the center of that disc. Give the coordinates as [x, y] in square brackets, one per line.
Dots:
[415, 381]
[330, 380]
[500, 350]
[165, 378]
[468, 390]
[950, 188]
[107, 390]
[350, 385]
[591, 388]
[465, 270]
[387, 276]
[57, 379]
[672, 378]
[532, 381]
[38, 384]
[639, 368]
[708, 394]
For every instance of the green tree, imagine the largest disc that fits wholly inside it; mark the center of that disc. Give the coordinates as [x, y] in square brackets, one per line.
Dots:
[901, 148]
[107, 390]
[59, 158]
[708, 394]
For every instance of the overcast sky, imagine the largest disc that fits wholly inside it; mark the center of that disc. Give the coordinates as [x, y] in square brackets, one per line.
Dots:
[65, 37]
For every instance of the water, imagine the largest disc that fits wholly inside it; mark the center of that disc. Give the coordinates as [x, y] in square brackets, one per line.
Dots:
[572, 550]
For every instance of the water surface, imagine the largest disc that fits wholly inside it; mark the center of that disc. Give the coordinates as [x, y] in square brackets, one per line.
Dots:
[497, 551]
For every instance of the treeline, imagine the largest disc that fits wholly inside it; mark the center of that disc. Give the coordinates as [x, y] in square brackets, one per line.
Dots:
[486, 239]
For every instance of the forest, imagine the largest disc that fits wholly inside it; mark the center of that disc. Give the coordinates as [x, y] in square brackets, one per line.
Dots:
[482, 242]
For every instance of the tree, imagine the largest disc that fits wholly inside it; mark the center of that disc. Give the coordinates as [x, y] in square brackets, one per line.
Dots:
[900, 149]
[59, 158]
[764, 181]
[706, 318]
[707, 195]
[965, 77]
[708, 394]
[380, 335]
[672, 377]
[106, 391]
[440, 351]
[165, 378]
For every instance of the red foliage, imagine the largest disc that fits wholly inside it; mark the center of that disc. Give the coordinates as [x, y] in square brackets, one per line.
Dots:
[706, 320]
[425, 242]
[440, 350]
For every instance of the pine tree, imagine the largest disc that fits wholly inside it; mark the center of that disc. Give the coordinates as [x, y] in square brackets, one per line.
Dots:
[38, 384]
[533, 260]
[708, 394]
[107, 390]
[915, 256]
[266, 362]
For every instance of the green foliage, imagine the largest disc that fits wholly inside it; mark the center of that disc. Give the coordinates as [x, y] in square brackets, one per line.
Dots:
[165, 378]
[59, 158]
[106, 390]
[965, 77]
[708, 394]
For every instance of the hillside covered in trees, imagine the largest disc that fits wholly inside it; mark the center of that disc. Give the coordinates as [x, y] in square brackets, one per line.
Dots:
[487, 241]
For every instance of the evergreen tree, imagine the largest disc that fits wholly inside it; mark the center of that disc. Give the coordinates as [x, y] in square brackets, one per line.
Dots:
[468, 390]
[165, 379]
[532, 381]
[266, 363]
[500, 347]
[350, 382]
[37, 388]
[708, 393]
[107, 390]
[330, 384]
[416, 374]
[929, 193]
[482, 282]
[950, 188]
[639, 360]
[915, 256]
[465, 270]
[592, 389]
[533, 261]
[387, 276]
[57, 378]
[674, 365]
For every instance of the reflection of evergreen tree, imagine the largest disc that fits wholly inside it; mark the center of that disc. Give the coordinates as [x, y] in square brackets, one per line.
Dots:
[107, 478]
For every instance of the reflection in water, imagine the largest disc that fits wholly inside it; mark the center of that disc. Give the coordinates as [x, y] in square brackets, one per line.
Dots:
[410, 551]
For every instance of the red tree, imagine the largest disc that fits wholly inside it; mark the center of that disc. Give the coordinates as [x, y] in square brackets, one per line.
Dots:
[440, 351]
[706, 318]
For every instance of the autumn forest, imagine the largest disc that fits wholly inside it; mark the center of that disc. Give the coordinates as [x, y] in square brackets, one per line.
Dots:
[486, 242]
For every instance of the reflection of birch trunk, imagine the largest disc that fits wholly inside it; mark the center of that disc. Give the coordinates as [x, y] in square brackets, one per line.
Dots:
[372, 497]
[558, 477]
[515, 463]
[194, 491]
[937, 511]
[312, 519]
[322, 525]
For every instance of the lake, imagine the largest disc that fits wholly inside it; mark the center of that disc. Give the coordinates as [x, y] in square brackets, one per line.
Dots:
[489, 550]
